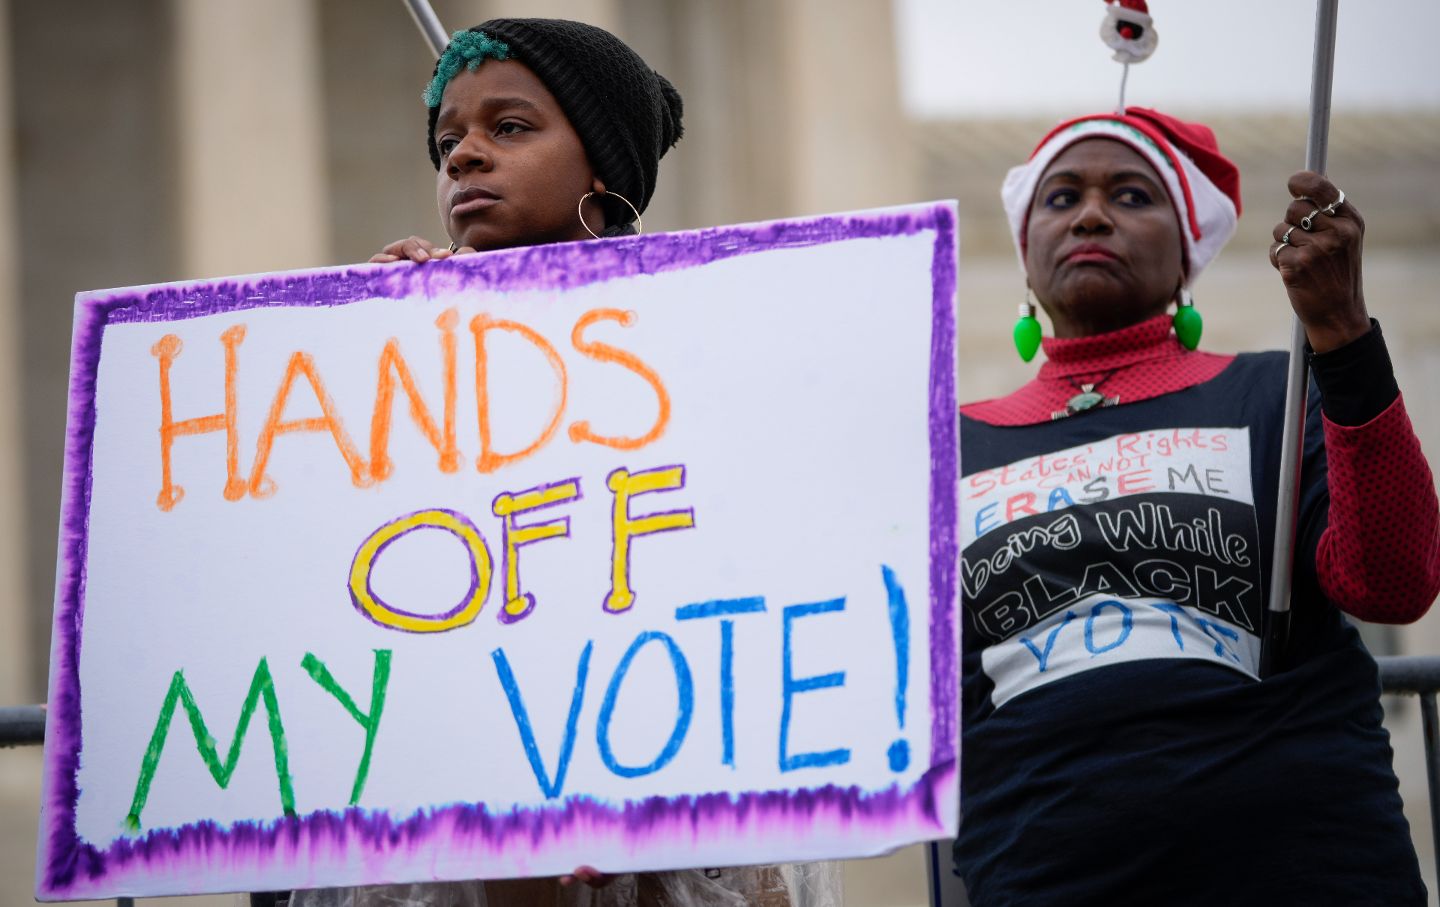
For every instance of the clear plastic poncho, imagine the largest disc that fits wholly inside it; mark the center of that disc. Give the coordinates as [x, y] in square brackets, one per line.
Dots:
[792, 885]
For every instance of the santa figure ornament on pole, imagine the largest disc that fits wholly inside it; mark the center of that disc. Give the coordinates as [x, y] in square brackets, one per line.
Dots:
[1128, 31]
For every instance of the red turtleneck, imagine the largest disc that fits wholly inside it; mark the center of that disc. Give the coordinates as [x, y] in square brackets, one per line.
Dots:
[1379, 558]
[1136, 363]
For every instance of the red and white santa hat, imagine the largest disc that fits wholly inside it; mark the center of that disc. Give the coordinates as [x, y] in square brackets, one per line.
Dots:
[1204, 185]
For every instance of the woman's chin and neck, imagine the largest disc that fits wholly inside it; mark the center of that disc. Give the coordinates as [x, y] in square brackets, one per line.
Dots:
[489, 242]
[1091, 316]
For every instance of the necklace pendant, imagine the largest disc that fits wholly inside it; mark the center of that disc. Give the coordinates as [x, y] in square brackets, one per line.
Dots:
[1086, 399]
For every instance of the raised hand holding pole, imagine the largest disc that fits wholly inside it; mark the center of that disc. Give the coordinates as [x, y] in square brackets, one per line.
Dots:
[1277, 614]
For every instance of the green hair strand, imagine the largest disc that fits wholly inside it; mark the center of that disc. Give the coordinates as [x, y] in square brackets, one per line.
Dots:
[466, 50]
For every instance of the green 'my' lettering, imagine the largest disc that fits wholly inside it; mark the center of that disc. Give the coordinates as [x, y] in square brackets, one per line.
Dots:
[261, 686]
[380, 679]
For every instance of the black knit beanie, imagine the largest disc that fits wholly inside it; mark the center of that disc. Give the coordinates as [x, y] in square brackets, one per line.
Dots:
[626, 114]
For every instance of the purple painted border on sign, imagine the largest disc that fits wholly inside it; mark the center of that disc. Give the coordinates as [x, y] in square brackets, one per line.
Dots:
[944, 494]
[72, 865]
[286, 846]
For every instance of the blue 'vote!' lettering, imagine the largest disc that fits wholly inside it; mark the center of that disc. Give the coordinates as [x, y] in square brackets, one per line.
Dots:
[793, 690]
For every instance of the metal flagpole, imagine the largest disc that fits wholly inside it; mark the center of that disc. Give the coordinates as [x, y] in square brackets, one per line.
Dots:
[1277, 615]
[429, 25]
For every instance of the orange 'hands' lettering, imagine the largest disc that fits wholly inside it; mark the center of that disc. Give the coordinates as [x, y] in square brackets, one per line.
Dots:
[393, 364]
[489, 460]
[261, 486]
[580, 430]
[166, 350]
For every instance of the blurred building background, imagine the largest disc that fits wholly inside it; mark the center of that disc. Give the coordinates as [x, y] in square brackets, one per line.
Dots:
[157, 140]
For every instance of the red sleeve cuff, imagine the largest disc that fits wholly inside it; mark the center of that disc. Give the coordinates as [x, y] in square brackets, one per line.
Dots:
[1379, 559]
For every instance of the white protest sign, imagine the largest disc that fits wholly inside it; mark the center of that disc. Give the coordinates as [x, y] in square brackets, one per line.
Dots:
[637, 553]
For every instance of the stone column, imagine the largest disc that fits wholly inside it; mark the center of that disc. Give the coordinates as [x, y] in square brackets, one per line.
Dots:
[374, 66]
[15, 657]
[849, 139]
[792, 107]
[251, 144]
[95, 209]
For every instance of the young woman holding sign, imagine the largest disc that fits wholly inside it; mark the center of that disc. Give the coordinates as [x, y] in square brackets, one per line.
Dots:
[545, 131]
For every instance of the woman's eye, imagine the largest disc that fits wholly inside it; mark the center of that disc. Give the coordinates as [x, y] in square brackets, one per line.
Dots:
[1134, 198]
[446, 146]
[1060, 198]
[509, 127]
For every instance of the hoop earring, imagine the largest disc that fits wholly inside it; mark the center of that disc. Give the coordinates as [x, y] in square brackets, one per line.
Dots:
[1027, 330]
[580, 212]
[1187, 322]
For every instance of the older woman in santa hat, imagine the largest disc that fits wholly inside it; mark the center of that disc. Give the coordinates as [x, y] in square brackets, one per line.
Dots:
[1117, 524]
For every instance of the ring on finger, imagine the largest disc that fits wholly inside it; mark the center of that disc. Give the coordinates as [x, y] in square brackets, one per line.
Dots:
[1308, 220]
[1285, 238]
[1329, 210]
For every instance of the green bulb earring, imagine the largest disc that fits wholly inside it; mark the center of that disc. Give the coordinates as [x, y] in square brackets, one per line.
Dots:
[1188, 323]
[1027, 330]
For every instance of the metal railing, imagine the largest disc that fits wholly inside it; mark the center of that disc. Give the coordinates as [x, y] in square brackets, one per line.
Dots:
[1404, 675]
[1419, 675]
[22, 725]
